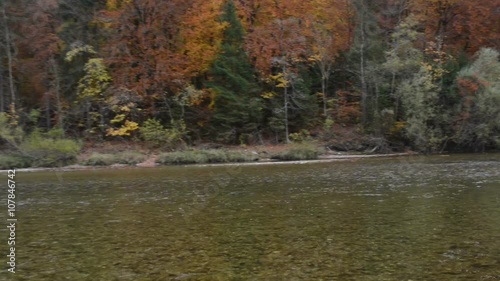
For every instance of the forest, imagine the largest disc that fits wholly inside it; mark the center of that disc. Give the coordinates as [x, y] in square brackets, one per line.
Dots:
[418, 74]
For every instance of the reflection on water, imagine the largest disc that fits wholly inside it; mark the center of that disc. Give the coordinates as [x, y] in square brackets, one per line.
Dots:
[414, 218]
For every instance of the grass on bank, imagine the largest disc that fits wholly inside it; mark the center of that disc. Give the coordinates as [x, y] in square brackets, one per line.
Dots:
[296, 152]
[300, 152]
[130, 158]
[47, 152]
[204, 156]
[107, 159]
[13, 162]
[40, 151]
[209, 156]
[99, 159]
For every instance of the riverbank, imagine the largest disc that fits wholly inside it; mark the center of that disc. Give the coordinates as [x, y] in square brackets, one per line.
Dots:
[150, 162]
[119, 155]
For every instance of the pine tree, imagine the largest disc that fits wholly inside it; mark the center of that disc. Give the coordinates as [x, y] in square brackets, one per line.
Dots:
[237, 112]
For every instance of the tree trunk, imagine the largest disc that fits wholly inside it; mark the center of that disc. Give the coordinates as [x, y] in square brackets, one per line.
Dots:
[57, 85]
[362, 73]
[287, 140]
[88, 117]
[377, 111]
[363, 90]
[2, 101]
[396, 97]
[8, 47]
[327, 70]
[283, 68]
[323, 89]
[47, 110]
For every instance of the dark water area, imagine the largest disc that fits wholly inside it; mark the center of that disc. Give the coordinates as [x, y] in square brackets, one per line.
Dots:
[407, 218]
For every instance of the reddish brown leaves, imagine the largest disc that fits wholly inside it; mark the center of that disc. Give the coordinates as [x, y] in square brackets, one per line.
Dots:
[144, 50]
[462, 25]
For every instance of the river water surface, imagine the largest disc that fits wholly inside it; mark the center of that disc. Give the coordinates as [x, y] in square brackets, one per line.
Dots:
[407, 218]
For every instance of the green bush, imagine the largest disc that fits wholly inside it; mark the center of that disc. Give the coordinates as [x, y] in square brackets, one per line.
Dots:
[215, 156]
[107, 159]
[55, 133]
[10, 132]
[302, 136]
[130, 158]
[40, 149]
[298, 153]
[328, 131]
[13, 162]
[182, 157]
[204, 156]
[153, 132]
[480, 90]
[48, 152]
[98, 159]
[236, 156]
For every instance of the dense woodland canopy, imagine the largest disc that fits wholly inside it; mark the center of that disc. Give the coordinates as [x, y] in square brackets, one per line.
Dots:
[417, 73]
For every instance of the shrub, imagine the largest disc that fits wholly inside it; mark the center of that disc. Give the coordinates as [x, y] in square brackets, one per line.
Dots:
[130, 158]
[328, 131]
[10, 132]
[477, 116]
[55, 133]
[298, 153]
[236, 156]
[49, 152]
[125, 130]
[40, 149]
[153, 132]
[98, 159]
[13, 161]
[302, 136]
[215, 156]
[204, 156]
[182, 157]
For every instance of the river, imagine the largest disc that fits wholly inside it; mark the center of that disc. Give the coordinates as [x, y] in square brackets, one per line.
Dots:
[406, 218]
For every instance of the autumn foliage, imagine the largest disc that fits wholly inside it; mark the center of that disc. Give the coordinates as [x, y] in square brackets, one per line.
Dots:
[461, 25]
[101, 69]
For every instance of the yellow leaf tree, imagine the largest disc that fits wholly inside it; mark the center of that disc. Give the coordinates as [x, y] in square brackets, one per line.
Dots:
[201, 33]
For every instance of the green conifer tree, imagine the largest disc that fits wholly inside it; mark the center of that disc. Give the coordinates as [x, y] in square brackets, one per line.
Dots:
[237, 112]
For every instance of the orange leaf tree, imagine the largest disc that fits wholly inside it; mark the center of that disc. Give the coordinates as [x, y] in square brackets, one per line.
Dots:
[460, 25]
[144, 51]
